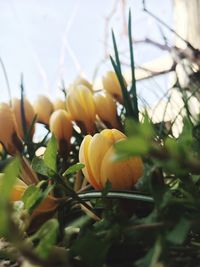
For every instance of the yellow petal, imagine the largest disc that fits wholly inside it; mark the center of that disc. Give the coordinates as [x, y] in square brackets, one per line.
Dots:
[122, 174]
[60, 125]
[112, 86]
[59, 104]
[17, 193]
[8, 129]
[136, 164]
[17, 190]
[80, 80]
[28, 112]
[98, 146]
[113, 134]
[83, 158]
[43, 108]
[106, 109]
[80, 105]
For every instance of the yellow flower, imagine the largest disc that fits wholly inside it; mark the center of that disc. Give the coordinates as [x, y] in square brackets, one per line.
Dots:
[107, 110]
[61, 126]
[9, 136]
[59, 104]
[80, 104]
[49, 204]
[81, 81]
[97, 154]
[43, 108]
[28, 112]
[112, 86]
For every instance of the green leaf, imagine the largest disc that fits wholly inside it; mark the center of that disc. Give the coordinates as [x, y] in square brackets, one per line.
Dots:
[74, 168]
[172, 146]
[34, 195]
[31, 127]
[8, 180]
[31, 197]
[116, 51]
[91, 249]
[46, 238]
[10, 176]
[131, 127]
[145, 129]
[40, 167]
[133, 82]
[186, 137]
[152, 256]
[133, 146]
[22, 109]
[80, 222]
[50, 155]
[126, 97]
[106, 189]
[179, 233]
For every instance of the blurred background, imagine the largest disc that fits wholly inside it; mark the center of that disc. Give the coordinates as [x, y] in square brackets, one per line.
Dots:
[51, 42]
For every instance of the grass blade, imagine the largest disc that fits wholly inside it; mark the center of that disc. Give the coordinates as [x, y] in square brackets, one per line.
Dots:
[133, 82]
[23, 117]
[126, 96]
[116, 51]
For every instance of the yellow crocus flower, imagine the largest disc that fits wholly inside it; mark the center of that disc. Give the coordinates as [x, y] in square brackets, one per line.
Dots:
[82, 81]
[97, 154]
[112, 86]
[81, 106]
[29, 115]
[59, 104]
[43, 108]
[9, 135]
[61, 126]
[107, 110]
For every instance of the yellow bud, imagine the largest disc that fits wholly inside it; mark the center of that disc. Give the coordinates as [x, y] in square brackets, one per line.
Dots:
[112, 86]
[61, 126]
[29, 115]
[107, 110]
[8, 131]
[59, 104]
[81, 81]
[97, 154]
[43, 108]
[80, 104]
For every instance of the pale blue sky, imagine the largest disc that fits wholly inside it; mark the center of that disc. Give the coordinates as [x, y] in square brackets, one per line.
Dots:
[51, 40]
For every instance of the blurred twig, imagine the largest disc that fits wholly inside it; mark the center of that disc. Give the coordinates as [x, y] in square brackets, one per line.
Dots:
[7, 81]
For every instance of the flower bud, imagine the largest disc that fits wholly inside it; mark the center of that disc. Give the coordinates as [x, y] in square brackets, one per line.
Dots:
[59, 104]
[97, 154]
[61, 126]
[81, 81]
[9, 136]
[29, 116]
[112, 86]
[80, 104]
[107, 110]
[43, 108]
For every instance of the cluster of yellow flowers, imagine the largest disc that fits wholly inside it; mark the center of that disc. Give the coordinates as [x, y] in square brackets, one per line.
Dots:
[84, 106]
